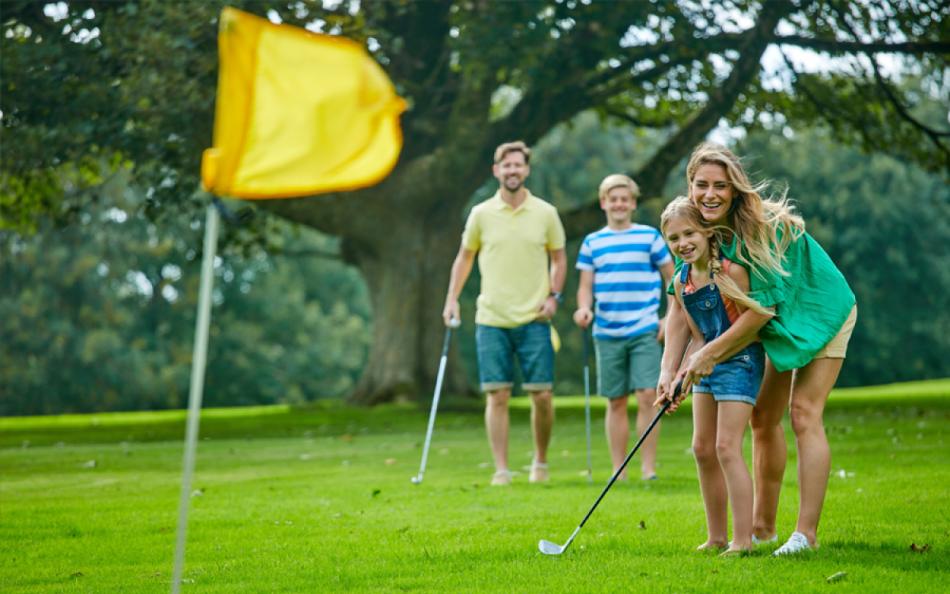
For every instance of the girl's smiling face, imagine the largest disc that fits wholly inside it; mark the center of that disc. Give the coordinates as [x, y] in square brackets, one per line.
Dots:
[687, 241]
[712, 192]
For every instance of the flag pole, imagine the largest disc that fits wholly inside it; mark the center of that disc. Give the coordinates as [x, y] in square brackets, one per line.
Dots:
[198, 362]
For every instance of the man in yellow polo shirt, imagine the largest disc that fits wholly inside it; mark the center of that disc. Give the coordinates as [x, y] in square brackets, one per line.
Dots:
[515, 235]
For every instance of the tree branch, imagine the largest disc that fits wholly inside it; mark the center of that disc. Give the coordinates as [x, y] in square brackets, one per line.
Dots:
[637, 122]
[837, 47]
[652, 176]
[889, 93]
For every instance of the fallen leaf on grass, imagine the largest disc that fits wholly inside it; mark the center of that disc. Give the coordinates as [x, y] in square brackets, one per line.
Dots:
[836, 577]
[346, 437]
[390, 461]
[916, 548]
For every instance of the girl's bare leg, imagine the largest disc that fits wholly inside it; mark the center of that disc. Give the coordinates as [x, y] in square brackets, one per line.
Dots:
[733, 420]
[712, 484]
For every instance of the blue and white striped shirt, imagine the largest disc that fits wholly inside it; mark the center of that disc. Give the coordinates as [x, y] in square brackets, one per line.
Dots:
[627, 281]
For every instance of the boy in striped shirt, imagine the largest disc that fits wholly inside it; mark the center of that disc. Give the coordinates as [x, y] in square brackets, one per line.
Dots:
[621, 268]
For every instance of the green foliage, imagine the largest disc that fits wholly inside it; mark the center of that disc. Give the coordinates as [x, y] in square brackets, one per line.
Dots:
[91, 87]
[320, 498]
[886, 225]
[99, 316]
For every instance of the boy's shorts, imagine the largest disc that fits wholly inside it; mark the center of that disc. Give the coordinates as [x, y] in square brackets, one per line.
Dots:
[497, 348]
[627, 364]
[736, 379]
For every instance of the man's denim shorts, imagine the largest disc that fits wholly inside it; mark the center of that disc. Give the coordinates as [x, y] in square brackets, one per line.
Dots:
[497, 348]
[736, 379]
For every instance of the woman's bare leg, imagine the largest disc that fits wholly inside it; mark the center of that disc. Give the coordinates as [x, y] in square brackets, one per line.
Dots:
[769, 452]
[813, 383]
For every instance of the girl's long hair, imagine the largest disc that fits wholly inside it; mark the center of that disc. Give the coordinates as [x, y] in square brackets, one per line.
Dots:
[756, 220]
[682, 206]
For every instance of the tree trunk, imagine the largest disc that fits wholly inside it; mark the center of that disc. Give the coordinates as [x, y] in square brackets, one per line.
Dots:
[406, 268]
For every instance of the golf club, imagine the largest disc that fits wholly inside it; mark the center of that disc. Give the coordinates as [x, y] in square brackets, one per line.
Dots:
[590, 472]
[453, 323]
[550, 548]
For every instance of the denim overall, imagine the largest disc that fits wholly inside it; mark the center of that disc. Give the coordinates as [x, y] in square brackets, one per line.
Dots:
[737, 378]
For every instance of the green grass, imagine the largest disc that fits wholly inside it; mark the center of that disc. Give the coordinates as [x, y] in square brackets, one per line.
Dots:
[319, 499]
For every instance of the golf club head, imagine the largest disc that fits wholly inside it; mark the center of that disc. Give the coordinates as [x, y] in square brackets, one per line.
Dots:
[549, 548]
[416, 480]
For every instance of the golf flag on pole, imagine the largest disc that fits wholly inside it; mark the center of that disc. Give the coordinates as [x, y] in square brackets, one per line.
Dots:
[297, 113]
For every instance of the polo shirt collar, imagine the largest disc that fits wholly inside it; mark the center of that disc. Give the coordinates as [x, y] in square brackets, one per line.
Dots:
[500, 204]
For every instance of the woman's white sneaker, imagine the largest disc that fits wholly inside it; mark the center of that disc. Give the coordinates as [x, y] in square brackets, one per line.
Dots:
[797, 543]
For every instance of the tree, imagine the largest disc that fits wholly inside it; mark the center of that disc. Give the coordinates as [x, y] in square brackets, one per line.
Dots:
[100, 316]
[135, 80]
[885, 224]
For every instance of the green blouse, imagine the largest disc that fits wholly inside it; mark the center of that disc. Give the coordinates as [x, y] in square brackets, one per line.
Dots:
[811, 303]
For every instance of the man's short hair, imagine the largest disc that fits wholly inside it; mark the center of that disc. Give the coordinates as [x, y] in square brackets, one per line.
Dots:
[618, 180]
[512, 147]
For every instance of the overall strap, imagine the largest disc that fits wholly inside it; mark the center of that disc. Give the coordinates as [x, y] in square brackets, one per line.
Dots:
[684, 274]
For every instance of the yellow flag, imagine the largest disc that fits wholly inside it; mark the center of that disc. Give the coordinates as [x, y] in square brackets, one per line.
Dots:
[297, 113]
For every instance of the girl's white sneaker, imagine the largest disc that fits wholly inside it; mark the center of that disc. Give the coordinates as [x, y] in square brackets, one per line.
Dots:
[797, 543]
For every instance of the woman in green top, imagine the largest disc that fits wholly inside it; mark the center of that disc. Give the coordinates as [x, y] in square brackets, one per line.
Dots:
[805, 338]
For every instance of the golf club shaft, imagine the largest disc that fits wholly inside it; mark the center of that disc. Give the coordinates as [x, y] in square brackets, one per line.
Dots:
[435, 400]
[590, 471]
[643, 437]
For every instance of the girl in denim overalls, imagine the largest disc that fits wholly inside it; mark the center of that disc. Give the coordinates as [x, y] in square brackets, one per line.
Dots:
[712, 291]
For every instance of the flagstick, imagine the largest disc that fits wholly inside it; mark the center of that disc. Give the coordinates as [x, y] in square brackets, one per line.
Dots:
[197, 384]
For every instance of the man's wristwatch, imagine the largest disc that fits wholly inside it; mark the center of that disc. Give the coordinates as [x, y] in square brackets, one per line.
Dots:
[558, 296]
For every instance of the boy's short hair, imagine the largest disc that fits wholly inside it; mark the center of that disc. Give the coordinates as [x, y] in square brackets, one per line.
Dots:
[618, 180]
[512, 147]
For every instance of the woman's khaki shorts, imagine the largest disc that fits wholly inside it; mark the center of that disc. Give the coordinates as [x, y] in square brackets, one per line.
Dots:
[837, 347]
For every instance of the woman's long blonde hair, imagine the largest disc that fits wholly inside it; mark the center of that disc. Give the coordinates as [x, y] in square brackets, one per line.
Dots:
[756, 220]
[682, 206]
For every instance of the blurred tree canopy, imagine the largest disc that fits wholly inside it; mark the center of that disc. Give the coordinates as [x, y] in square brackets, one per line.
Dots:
[100, 315]
[93, 88]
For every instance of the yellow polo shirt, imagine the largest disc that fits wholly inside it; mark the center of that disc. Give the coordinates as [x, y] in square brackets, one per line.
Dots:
[512, 246]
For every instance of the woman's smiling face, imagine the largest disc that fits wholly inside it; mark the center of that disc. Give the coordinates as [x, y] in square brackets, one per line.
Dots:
[712, 192]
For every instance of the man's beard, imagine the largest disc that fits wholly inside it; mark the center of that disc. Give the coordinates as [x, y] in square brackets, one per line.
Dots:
[518, 184]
